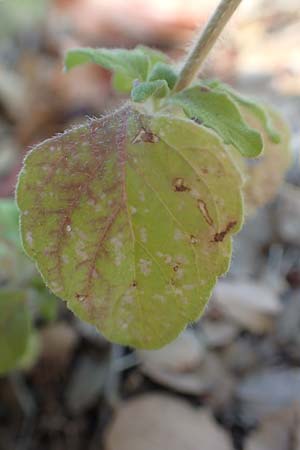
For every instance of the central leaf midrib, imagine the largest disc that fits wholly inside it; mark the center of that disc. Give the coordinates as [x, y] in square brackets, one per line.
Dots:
[122, 160]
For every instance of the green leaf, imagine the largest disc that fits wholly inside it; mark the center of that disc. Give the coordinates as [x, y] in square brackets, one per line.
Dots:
[133, 63]
[15, 268]
[163, 71]
[154, 56]
[258, 110]
[129, 219]
[143, 91]
[217, 111]
[32, 352]
[9, 221]
[122, 83]
[127, 65]
[46, 304]
[14, 328]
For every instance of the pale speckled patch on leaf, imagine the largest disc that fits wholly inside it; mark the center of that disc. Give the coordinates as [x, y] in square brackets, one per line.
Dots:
[129, 219]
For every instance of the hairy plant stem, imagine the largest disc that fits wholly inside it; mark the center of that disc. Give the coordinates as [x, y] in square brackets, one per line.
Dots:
[205, 42]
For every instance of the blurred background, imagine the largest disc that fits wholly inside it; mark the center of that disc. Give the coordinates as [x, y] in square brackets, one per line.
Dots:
[232, 381]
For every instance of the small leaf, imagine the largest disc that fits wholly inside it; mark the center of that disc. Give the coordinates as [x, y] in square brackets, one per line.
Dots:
[258, 110]
[155, 56]
[9, 221]
[31, 354]
[127, 65]
[143, 91]
[14, 328]
[48, 306]
[164, 72]
[215, 110]
[121, 83]
[129, 219]
[15, 268]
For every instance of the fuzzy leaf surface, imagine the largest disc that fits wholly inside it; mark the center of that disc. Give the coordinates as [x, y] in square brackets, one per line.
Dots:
[129, 219]
[143, 91]
[14, 328]
[127, 65]
[261, 112]
[217, 111]
[155, 56]
[163, 71]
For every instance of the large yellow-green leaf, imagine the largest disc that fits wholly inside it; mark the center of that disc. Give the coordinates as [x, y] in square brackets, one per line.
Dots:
[14, 328]
[129, 219]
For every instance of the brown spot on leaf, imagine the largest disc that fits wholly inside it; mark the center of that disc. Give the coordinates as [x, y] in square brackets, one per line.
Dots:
[193, 239]
[80, 297]
[180, 186]
[134, 284]
[203, 208]
[219, 237]
[204, 89]
[176, 267]
[145, 136]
